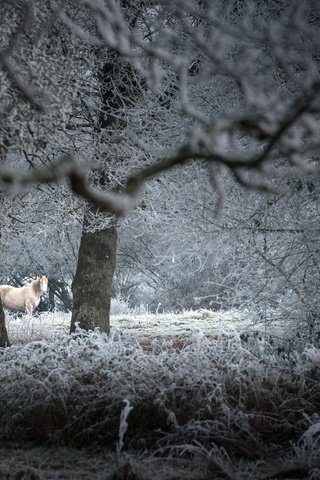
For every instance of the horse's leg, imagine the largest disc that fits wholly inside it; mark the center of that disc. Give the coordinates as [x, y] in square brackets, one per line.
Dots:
[29, 308]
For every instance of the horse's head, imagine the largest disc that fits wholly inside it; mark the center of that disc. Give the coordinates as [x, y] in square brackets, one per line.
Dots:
[43, 282]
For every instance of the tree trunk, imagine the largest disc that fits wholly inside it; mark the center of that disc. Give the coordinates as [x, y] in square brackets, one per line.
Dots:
[4, 340]
[91, 287]
[97, 254]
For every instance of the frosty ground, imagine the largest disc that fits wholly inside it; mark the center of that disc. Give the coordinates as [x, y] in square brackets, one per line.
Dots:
[197, 395]
[149, 327]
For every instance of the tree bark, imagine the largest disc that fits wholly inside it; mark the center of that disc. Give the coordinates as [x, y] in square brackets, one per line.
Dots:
[92, 283]
[4, 340]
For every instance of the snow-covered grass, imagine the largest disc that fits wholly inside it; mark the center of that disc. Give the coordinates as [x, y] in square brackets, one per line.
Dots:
[196, 395]
[146, 327]
[22, 329]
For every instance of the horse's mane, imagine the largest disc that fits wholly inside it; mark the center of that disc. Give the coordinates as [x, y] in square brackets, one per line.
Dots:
[35, 283]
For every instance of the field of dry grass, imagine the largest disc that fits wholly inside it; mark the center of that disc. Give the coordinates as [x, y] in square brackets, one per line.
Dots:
[191, 396]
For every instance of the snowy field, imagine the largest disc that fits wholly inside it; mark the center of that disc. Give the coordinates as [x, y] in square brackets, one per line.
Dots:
[147, 327]
[194, 396]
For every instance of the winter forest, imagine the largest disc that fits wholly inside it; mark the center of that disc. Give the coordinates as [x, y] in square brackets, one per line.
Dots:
[160, 164]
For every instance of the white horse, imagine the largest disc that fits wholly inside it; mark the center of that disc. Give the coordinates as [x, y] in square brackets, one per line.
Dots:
[24, 298]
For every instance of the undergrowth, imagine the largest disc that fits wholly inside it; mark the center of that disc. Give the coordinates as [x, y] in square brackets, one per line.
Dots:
[218, 400]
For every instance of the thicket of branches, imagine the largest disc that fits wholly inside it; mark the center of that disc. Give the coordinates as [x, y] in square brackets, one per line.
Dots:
[227, 93]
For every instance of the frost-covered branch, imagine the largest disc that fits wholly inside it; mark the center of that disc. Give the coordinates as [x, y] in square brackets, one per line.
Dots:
[239, 95]
[6, 54]
[201, 147]
[68, 168]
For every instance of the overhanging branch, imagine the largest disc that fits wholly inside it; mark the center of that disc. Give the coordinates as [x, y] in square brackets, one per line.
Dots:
[124, 201]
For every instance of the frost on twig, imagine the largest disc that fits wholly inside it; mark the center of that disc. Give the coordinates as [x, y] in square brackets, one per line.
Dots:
[123, 426]
[6, 54]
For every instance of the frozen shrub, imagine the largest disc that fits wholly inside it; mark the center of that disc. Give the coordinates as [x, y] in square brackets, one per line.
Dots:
[209, 390]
